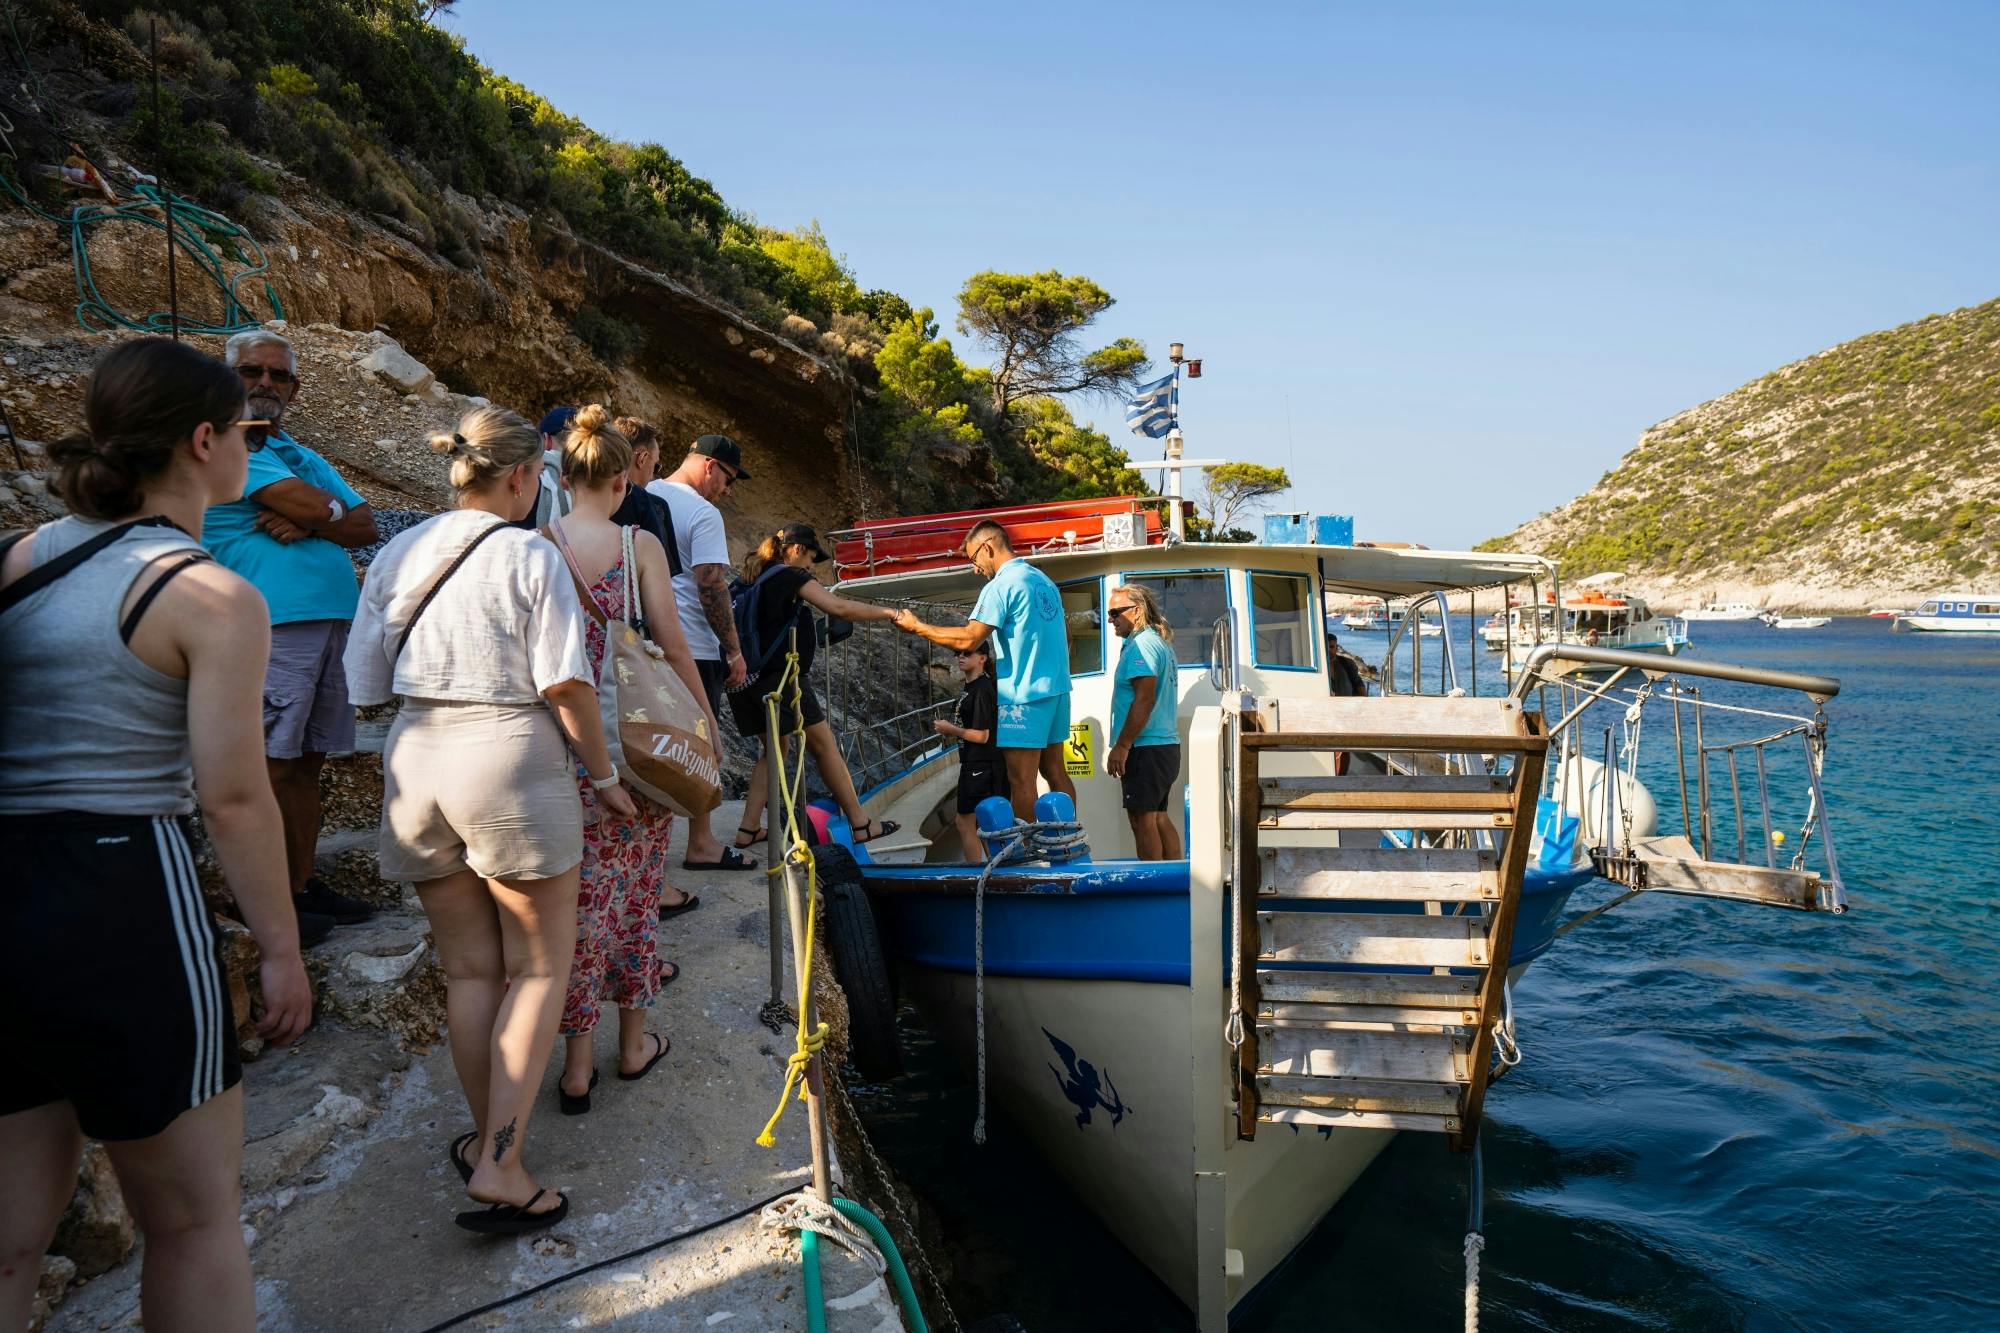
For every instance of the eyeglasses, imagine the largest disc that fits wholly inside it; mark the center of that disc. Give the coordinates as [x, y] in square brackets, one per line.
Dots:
[1121, 610]
[276, 374]
[972, 552]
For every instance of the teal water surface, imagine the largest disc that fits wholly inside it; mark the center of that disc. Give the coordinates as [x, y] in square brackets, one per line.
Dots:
[1728, 1116]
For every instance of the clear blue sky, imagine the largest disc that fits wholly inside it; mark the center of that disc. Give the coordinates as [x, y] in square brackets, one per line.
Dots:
[1478, 247]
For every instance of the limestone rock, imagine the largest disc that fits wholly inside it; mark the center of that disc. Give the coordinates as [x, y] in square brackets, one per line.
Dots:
[240, 960]
[95, 1232]
[57, 1274]
[399, 368]
[383, 968]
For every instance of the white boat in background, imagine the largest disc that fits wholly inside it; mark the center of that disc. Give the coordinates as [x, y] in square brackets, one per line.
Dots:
[1796, 622]
[1601, 615]
[1887, 613]
[1372, 617]
[1428, 629]
[1956, 612]
[1722, 611]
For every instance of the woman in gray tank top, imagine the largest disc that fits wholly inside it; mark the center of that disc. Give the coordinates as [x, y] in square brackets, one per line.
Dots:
[131, 675]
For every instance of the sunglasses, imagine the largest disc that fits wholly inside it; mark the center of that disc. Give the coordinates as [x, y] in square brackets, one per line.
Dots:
[968, 652]
[1121, 610]
[727, 471]
[276, 374]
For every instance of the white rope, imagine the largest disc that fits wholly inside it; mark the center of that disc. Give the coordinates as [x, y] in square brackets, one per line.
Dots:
[1474, 1243]
[1025, 841]
[1504, 1045]
[805, 1212]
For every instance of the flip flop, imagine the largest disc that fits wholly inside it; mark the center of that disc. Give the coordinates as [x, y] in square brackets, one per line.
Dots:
[755, 835]
[668, 971]
[688, 902]
[731, 859]
[887, 826]
[574, 1105]
[458, 1147]
[514, 1219]
[665, 1046]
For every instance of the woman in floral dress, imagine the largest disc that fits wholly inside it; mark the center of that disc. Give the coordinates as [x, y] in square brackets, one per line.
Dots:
[617, 920]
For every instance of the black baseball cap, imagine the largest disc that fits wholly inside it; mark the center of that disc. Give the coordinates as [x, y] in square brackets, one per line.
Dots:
[723, 450]
[558, 419]
[802, 534]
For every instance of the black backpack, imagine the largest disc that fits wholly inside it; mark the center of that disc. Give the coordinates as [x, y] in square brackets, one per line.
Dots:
[745, 604]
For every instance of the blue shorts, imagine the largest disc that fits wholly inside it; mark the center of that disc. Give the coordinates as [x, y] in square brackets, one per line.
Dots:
[1034, 726]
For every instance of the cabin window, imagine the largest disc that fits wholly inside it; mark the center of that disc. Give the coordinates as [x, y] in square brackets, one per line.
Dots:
[1986, 608]
[1961, 606]
[1928, 609]
[1083, 617]
[1281, 622]
[1191, 604]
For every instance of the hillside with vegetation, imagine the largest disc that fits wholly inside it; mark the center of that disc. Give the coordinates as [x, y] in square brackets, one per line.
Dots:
[381, 131]
[1866, 470]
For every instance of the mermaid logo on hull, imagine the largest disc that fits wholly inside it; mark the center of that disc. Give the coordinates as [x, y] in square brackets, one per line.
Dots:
[1080, 1088]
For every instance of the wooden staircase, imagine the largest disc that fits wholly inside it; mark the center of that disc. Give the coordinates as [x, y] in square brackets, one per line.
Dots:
[1375, 972]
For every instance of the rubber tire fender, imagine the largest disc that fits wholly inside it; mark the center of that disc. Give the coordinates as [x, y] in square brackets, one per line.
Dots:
[860, 965]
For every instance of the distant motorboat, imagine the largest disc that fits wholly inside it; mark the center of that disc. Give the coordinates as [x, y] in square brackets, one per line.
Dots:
[1956, 612]
[1722, 611]
[1886, 613]
[1372, 617]
[1797, 622]
[1600, 616]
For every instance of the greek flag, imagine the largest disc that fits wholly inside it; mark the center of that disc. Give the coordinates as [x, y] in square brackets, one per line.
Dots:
[1151, 412]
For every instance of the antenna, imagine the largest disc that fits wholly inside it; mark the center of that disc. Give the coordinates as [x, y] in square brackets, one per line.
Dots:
[166, 195]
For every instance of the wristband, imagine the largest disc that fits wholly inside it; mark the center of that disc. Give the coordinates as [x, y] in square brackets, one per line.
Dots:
[599, 784]
[339, 510]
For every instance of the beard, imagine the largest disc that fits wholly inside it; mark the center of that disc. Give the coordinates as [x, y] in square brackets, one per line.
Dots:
[268, 406]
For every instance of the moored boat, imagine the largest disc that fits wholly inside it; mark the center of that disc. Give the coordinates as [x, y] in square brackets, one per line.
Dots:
[1955, 613]
[1599, 615]
[1211, 1049]
[1721, 611]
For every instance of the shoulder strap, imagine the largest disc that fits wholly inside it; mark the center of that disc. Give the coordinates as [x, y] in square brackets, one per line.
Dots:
[42, 576]
[634, 616]
[438, 583]
[130, 624]
[554, 533]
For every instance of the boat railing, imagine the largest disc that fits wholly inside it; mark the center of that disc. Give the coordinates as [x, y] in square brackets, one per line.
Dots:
[885, 748]
[1713, 825]
[1448, 674]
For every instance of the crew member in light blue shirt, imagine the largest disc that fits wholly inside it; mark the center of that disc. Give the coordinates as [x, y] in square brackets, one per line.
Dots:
[1020, 613]
[289, 535]
[1145, 752]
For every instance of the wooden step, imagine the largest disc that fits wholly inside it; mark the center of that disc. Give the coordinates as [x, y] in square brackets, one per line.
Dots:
[1357, 1094]
[1307, 1118]
[1400, 817]
[1372, 939]
[1455, 726]
[1672, 865]
[1380, 874]
[1415, 1057]
[1396, 792]
[1416, 990]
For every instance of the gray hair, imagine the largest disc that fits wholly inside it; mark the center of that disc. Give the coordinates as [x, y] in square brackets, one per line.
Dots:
[233, 350]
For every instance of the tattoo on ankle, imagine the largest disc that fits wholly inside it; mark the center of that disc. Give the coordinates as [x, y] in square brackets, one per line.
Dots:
[503, 1139]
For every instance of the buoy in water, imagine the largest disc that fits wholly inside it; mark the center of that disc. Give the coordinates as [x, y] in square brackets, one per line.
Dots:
[1778, 837]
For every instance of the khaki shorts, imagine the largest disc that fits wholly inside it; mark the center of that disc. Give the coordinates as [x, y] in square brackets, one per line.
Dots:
[484, 786]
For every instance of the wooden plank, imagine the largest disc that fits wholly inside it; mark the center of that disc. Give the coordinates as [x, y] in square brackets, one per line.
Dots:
[1382, 874]
[1285, 787]
[1425, 990]
[1432, 716]
[1410, 794]
[1514, 866]
[1400, 818]
[1397, 1120]
[1394, 742]
[1673, 866]
[1364, 1016]
[1416, 1057]
[1355, 1094]
[1373, 939]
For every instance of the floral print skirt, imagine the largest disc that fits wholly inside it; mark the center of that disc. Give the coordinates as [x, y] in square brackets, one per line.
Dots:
[617, 912]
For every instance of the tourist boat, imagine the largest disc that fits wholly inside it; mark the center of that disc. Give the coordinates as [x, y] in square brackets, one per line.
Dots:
[1210, 1049]
[1372, 618]
[1955, 612]
[1425, 626]
[1721, 611]
[1776, 621]
[1598, 615]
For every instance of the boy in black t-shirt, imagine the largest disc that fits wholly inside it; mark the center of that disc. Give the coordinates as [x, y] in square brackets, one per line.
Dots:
[980, 772]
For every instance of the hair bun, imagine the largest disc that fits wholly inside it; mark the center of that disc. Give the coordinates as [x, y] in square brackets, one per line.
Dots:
[451, 445]
[590, 419]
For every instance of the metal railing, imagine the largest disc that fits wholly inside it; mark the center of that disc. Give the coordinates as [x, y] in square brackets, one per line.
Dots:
[1413, 615]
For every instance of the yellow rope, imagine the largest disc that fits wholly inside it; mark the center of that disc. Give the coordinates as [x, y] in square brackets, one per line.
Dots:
[792, 785]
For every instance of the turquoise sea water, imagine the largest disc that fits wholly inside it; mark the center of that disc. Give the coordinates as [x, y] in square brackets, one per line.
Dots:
[1729, 1116]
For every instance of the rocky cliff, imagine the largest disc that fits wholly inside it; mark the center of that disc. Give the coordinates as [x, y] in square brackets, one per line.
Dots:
[1864, 475]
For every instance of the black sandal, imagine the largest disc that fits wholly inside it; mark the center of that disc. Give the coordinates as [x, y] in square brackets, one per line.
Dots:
[756, 835]
[575, 1105]
[514, 1219]
[731, 859]
[688, 902]
[457, 1154]
[887, 826]
[665, 1046]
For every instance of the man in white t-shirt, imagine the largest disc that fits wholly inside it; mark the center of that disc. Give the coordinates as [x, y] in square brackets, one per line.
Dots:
[713, 464]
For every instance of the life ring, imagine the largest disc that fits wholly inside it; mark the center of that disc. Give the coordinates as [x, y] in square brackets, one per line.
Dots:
[860, 964]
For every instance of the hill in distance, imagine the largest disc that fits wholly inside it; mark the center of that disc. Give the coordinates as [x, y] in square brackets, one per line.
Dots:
[1866, 474]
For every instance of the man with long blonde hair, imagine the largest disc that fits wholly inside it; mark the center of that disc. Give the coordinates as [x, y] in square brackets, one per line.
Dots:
[1145, 750]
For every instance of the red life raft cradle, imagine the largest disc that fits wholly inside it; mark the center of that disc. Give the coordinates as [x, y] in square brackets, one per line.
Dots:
[932, 541]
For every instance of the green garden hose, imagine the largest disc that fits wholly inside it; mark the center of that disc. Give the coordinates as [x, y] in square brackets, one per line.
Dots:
[906, 1294]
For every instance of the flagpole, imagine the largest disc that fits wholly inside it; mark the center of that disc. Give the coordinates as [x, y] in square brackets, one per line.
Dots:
[1176, 444]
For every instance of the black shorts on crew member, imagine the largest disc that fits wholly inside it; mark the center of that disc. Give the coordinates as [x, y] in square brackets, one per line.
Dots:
[713, 676]
[112, 996]
[979, 779]
[1150, 771]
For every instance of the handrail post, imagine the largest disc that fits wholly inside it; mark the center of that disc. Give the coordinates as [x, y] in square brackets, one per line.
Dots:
[774, 855]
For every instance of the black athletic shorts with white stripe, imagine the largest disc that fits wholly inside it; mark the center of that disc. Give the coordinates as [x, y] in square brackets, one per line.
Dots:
[111, 994]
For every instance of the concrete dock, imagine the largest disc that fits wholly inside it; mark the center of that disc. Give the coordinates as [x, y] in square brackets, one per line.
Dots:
[349, 1197]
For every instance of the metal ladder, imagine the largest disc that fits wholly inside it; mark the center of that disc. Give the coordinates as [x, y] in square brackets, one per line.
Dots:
[1380, 1012]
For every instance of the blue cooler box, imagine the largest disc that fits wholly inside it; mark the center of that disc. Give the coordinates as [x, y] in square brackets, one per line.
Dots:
[1308, 530]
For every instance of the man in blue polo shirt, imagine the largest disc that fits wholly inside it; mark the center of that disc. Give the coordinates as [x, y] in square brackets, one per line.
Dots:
[1021, 612]
[289, 536]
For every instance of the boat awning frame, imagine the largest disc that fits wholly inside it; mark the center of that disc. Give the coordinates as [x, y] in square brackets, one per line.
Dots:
[1372, 571]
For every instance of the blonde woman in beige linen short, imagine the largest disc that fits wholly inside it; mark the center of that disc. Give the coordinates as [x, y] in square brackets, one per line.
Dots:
[479, 805]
